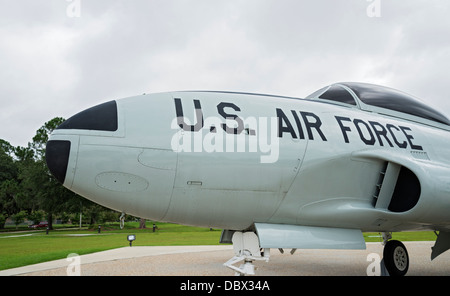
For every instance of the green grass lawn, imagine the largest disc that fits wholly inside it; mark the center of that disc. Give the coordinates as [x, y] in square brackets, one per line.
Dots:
[402, 236]
[31, 247]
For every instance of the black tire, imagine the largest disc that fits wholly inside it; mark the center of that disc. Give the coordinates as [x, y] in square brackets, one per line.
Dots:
[396, 258]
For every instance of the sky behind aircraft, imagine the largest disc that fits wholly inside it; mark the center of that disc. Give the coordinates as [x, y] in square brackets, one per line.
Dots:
[59, 56]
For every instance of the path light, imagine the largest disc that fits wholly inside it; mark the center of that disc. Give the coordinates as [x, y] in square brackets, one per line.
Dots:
[131, 238]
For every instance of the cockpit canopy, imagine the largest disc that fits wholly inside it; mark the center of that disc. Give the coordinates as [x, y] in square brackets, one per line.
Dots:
[379, 99]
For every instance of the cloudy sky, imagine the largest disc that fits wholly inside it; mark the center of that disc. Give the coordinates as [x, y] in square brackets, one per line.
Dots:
[58, 57]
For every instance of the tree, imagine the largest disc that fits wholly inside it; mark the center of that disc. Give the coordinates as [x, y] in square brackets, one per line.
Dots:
[36, 216]
[42, 135]
[8, 182]
[26, 183]
[39, 189]
[8, 204]
[142, 223]
[8, 169]
[2, 221]
[6, 147]
[19, 218]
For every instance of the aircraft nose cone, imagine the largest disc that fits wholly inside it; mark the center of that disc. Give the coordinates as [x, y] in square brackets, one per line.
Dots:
[57, 157]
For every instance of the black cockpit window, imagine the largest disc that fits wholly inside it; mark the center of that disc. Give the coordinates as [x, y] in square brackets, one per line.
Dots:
[102, 117]
[338, 94]
[392, 99]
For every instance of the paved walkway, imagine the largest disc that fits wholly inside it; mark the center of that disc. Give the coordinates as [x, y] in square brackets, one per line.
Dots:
[208, 261]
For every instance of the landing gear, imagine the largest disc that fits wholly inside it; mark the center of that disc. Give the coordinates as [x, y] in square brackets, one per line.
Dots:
[246, 248]
[395, 256]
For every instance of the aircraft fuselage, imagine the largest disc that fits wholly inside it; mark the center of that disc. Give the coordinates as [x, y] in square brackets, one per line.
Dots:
[229, 160]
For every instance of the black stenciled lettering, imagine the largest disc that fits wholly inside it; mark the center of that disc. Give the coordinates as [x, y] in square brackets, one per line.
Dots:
[371, 131]
[235, 130]
[344, 129]
[313, 125]
[370, 141]
[380, 131]
[400, 145]
[180, 116]
[286, 127]
[299, 125]
[409, 138]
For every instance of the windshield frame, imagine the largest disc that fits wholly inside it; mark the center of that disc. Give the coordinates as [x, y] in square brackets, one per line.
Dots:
[386, 101]
[396, 101]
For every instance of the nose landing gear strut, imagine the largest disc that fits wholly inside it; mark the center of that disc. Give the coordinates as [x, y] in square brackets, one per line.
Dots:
[246, 248]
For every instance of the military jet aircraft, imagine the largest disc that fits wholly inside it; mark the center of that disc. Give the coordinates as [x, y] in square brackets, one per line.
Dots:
[272, 171]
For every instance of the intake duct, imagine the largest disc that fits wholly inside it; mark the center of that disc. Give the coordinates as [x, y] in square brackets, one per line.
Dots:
[406, 193]
[57, 158]
[398, 189]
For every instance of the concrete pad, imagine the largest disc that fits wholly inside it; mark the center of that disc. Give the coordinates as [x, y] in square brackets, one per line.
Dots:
[112, 255]
[208, 261]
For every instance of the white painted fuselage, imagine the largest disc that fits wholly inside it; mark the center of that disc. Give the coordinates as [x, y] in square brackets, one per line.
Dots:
[229, 160]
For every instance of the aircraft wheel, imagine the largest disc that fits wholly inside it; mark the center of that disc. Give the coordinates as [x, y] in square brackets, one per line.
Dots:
[396, 258]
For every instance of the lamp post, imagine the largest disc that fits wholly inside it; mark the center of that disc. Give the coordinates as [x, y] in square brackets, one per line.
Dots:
[131, 238]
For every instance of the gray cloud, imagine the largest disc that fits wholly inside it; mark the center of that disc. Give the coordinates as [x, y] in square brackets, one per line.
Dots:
[54, 65]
